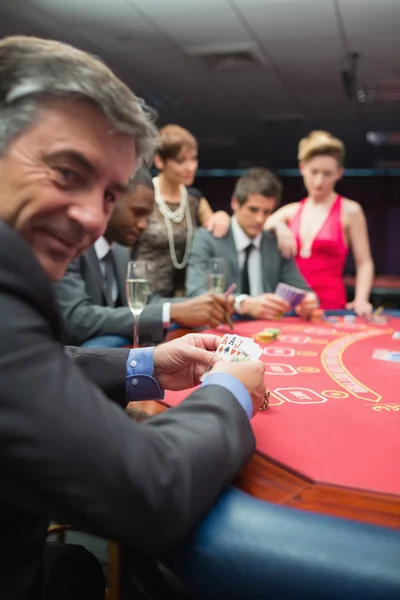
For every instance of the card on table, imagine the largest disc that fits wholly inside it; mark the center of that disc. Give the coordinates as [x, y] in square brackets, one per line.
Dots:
[291, 294]
[389, 355]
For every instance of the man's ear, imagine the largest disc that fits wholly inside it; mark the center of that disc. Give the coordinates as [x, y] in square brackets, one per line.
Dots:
[235, 205]
[159, 163]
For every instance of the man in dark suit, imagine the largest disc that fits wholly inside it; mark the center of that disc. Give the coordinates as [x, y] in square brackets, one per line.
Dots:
[70, 136]
[252, 258]
[92, 296]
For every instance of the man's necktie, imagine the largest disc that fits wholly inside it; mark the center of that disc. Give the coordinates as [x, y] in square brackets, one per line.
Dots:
[109, 277]
[245, 270]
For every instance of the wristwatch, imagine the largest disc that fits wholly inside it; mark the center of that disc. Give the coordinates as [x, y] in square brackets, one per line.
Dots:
[238, 301]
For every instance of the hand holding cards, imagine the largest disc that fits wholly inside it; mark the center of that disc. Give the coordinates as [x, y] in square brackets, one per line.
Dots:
[235, 348]
[239, 357]
[292, 295]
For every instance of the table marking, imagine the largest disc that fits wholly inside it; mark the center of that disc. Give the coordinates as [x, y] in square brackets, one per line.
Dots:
[332, 361]
[279, 369]
[300, 395]
[308, 369]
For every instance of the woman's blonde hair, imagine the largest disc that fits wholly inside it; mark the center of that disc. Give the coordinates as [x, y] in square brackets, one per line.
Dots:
[321, 143]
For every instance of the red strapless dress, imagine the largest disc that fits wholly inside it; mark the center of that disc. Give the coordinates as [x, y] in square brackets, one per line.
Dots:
[323, 269]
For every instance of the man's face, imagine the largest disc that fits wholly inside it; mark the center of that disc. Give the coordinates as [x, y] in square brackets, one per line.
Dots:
[60, 179]
[253, 213]
[130, 216]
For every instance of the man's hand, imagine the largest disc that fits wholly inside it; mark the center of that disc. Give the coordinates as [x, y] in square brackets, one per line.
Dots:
[178, 365]
[251, 374]
[287, 244]
[266, 306]
[306, 306]
[208, 309]
[362, 308]
[218, 224]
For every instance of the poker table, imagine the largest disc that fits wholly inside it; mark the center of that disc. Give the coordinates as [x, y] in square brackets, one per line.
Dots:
[329, 441]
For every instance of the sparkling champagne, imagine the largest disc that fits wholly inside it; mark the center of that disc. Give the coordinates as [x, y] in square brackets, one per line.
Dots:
[216, 283]
[136, 292]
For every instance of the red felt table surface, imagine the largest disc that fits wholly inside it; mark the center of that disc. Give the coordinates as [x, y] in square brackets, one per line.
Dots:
[334, 411]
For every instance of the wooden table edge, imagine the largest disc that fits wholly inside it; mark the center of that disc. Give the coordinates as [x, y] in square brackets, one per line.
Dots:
[267, 480]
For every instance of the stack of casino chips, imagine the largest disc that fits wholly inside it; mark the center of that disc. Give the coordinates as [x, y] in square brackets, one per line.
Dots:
[267, 335]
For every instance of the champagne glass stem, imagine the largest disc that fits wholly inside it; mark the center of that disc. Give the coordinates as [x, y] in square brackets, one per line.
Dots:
[135, 330]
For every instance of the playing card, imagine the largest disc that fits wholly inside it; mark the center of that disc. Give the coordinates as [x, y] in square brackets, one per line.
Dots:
[234, 348]
[291, 294]
[382, 354]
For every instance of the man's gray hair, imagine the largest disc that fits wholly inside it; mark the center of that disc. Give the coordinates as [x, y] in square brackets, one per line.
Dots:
[33, 70]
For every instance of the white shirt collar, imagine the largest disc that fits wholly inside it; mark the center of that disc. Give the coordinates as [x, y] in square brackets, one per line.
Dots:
[102, 248]
[242, 240]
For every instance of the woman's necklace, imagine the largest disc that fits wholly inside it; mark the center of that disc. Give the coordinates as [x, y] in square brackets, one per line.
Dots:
[176, 216]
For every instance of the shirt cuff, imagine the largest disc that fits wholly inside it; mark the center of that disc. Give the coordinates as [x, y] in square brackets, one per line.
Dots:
[234, 386]
[166, 314]
[139, 383]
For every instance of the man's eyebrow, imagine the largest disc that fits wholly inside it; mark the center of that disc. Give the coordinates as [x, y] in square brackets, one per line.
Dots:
[119, 187]
[77, 157]
[74, 156]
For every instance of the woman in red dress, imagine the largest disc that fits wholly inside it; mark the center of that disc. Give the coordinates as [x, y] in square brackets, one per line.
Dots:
[319, 230]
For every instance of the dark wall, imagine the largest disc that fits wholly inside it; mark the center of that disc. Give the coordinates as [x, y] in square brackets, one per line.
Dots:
[379, 196]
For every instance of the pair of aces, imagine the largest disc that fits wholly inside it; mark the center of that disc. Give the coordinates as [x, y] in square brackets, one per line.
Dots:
[234, 348]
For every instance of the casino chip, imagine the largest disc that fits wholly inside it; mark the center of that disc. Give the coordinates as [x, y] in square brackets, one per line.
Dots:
[317, 315]
[267, 335]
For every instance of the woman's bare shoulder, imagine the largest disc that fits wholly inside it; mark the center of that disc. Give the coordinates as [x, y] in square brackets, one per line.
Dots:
[351, 207]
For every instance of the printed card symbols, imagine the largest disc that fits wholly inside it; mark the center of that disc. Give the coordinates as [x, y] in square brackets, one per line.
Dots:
[235, 341]
[235, 353]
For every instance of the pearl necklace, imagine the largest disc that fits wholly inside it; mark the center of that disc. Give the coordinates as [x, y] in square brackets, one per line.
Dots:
[176, 216]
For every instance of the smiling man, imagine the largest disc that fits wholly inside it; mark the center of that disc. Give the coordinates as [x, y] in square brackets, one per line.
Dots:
[92, 296]
[71, 135]
[252, 256]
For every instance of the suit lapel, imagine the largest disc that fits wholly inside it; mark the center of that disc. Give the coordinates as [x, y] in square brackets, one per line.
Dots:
[232, 257]
[271, 261]
[265, 258]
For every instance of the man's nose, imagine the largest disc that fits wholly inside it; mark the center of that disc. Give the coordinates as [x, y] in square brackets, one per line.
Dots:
[89, 214]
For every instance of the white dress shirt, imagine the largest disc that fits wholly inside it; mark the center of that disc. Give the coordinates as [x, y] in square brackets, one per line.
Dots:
[102, 248]
[255, 259]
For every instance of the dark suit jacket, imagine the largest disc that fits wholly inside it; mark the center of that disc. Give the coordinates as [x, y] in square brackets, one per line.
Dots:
[83, 303]
[275, 268]
[69, 453]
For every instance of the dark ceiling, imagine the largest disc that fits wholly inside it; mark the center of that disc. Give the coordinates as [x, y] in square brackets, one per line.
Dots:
[247, 77]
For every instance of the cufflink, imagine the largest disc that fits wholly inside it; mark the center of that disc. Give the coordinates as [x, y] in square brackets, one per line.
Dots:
[134, 381]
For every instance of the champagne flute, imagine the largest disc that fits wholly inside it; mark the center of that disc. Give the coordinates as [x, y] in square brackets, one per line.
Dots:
[216, 275]
[137, 289]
